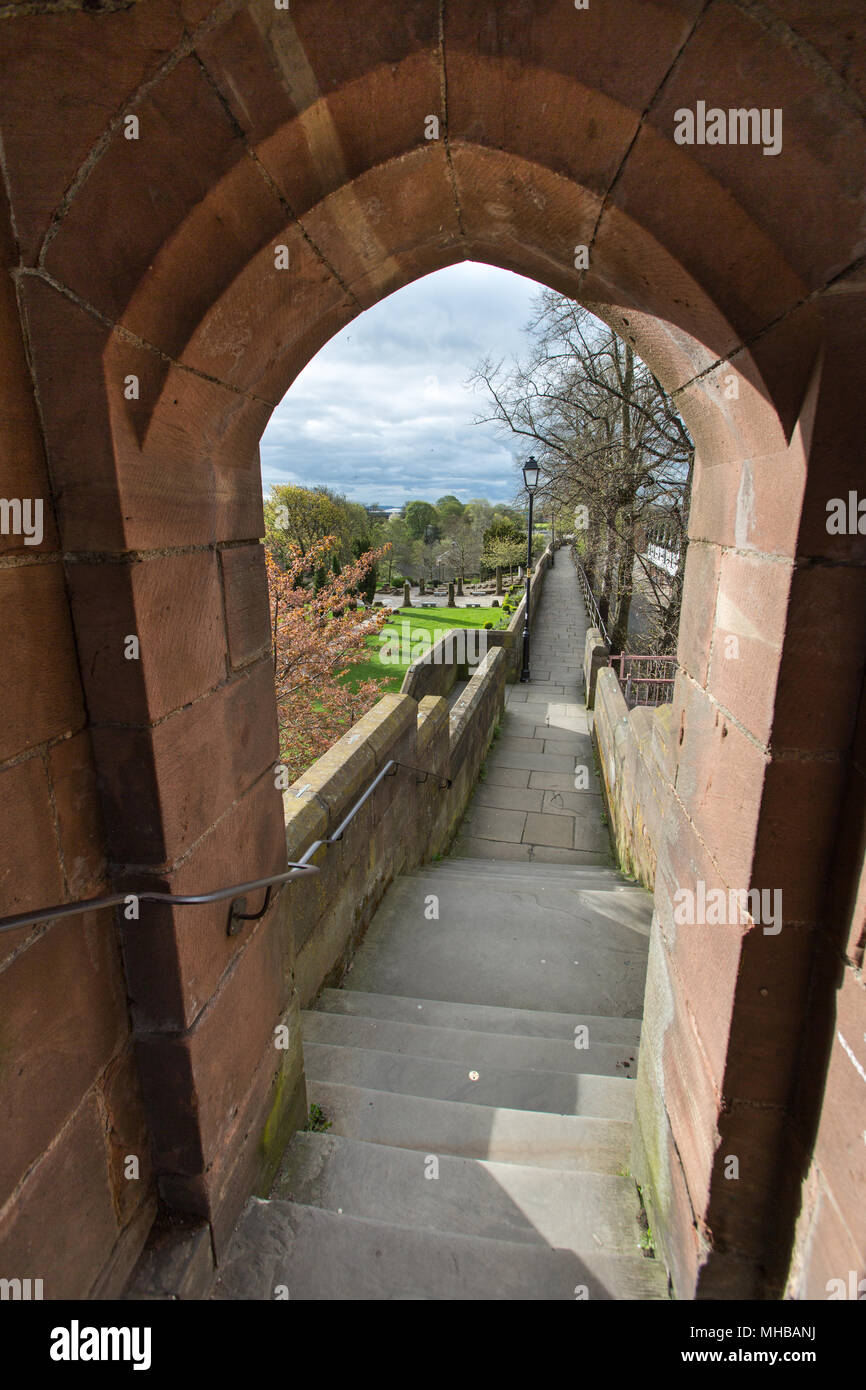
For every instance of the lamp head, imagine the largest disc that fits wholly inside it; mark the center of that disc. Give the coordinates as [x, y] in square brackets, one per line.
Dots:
[531, 474]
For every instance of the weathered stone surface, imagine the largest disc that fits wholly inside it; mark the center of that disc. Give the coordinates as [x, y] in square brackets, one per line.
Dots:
[62, 997]
[38, 1238]
[156, 257]
[245, 587]
[42, 695]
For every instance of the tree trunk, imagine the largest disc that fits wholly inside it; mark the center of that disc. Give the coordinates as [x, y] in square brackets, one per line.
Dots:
[624, 588]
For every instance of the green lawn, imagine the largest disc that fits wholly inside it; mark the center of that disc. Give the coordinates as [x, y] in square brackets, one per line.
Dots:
[432, 621]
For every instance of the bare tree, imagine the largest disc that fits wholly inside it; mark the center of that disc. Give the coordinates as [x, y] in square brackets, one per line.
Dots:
[613, 449]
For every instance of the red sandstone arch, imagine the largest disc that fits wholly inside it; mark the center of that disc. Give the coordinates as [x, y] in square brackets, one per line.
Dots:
[155, 257]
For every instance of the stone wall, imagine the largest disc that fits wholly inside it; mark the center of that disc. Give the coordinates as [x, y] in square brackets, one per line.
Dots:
[409, 818]
[446, 663]
[158, 512]
[595, 656]
[634, 748]
[449, 660]
[70, 1100]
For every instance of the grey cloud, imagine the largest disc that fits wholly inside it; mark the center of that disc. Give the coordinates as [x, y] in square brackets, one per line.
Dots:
[382, 412]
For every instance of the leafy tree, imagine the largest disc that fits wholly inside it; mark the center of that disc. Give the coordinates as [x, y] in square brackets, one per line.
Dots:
[508, 551]
[398, 536]
[317, 639]
[300, 516]
[419, 516]
[464, 542]
[448, 507]
[359, 522]
[367, 587]
[503, 528]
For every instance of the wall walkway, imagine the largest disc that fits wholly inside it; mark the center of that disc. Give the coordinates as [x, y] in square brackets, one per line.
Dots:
[477, 1064]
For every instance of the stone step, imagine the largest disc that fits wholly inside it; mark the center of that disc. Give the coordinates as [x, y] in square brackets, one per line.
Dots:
[575, 1143]
[488, 876]
[519, 946]
[476, 1051]
[558, 1093]
[319, 1256]
[478, 1018]
[468, 846]
[511, 876]
[576, 875]
[583, 1212]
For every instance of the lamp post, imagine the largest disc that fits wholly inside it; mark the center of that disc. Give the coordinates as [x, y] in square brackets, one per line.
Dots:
[552, 537]
[531, 472]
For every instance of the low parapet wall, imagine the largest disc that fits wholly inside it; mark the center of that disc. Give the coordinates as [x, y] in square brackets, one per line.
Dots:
[635, 755]
[410, 817]
[460, 651]
[595, 655]
[515, 627]
[454, 657]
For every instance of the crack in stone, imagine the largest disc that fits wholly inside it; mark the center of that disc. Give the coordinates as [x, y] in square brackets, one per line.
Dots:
[672, 67]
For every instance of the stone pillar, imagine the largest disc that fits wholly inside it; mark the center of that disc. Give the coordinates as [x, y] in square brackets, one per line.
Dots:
[460, 586]
[421, 586]
[451, 594]
[499, 588]
[407, 595]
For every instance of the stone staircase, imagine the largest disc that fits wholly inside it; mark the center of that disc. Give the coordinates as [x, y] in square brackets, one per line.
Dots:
[474, 1151]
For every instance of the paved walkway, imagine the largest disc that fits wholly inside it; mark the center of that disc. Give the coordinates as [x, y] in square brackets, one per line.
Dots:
[476, 1069]
[539, 798]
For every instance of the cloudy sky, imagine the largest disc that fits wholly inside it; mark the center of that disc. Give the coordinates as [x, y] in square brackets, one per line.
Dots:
[384, 413]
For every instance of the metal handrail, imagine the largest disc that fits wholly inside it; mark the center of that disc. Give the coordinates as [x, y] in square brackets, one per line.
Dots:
[237, 891]
[589, 599]
[45, 914]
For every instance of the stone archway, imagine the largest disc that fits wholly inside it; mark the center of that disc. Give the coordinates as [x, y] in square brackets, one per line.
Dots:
[283, 174]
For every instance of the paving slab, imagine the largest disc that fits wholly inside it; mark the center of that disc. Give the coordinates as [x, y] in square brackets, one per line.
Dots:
[490, 823]
[505, 776]
[564, 781]
[510, 743]
[508, 798]
[555, 831]
[534, 762]
[496, 851]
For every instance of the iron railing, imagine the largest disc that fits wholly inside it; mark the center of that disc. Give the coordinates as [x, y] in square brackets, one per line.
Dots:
[647, 679]
[237, 892]
[592, 609]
